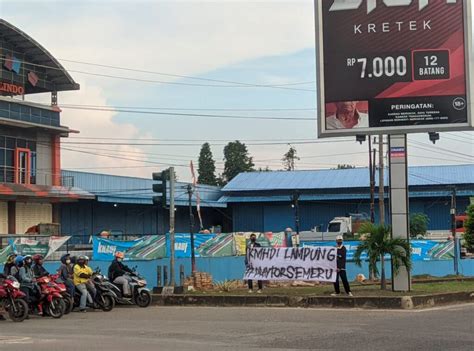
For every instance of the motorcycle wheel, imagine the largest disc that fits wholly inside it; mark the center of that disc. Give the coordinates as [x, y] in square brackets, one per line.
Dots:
[106, 302]
[68, 305]
[18, 311]
[56, 308]
[143, 299]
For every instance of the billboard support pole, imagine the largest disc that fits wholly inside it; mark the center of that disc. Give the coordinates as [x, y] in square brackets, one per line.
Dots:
[398, 172]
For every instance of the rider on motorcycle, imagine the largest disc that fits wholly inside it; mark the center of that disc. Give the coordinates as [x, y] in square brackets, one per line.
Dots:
[28, 282]
[38, 268]
[117, 273]
[66, 273]
[90, 285]
[82, 274]
[9, 264]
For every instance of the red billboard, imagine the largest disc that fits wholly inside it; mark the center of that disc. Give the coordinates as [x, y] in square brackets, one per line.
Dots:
[392, 66]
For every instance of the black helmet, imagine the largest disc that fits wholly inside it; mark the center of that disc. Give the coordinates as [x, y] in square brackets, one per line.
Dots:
[65, 257]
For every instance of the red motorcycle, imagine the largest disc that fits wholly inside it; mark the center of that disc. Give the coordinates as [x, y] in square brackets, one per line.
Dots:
[12, 299]
[51, 300]
[67, 298]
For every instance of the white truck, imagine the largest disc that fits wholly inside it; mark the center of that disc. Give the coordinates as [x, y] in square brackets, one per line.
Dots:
[346, 226]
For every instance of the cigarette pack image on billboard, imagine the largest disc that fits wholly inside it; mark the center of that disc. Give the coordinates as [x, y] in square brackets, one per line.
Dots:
[393, 66]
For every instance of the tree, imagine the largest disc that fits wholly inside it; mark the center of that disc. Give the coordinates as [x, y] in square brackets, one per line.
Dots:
[266, 169]
[289, 159]
[469, 229]
[377, 244]
[206, 166]
[418, 224]
[237, 160]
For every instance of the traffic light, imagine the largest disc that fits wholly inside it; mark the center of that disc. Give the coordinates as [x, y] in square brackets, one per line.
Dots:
[160, 188]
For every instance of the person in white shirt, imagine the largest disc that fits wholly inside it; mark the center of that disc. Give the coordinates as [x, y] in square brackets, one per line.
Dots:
[347, 117]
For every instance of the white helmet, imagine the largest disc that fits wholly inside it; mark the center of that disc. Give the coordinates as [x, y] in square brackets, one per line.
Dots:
[339, 237]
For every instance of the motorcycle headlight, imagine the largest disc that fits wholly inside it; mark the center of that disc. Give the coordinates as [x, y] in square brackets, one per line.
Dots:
[16, 285]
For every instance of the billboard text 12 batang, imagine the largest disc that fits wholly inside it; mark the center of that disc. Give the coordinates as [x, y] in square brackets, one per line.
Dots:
[392, 66]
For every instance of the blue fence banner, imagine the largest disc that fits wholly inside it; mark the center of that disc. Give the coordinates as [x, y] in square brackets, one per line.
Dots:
[421, 250]
[105, 249]
[182, 244]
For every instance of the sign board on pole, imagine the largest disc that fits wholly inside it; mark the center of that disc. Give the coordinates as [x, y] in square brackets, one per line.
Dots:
[393, 66]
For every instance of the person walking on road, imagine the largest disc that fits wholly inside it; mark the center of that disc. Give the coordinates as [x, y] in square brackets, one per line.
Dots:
[253, 244]
[341, 268]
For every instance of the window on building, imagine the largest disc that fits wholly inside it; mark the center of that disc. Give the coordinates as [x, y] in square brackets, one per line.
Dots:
[17, 160]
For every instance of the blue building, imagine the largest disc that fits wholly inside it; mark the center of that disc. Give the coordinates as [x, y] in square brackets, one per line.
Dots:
[124, 205]
[262, 201]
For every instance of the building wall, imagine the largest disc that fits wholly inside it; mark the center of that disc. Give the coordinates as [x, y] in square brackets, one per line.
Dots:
[29, 214]
[44, 159]
[277, 216]
[3, 217]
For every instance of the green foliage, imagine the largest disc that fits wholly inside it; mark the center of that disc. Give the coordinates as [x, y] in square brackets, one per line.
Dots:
[377, 244]
[469, 228]
[227, 285]
[236, 160]
[206, 166]
[418, 224]
[289, 159]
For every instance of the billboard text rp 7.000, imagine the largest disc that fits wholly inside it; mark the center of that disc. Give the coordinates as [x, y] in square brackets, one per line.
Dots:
[393, 66]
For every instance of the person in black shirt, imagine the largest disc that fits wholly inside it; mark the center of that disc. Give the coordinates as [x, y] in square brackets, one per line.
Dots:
[341, 268]
[253, 243]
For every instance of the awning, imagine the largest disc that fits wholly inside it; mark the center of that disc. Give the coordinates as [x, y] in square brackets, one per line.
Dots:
[61, 193]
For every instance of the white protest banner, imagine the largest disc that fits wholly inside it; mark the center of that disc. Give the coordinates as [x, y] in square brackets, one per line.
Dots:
[317, 263]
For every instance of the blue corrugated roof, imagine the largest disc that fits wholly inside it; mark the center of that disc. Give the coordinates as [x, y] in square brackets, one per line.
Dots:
[346, 178]
[122, 189]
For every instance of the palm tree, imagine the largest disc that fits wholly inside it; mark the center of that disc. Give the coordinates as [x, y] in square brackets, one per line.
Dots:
[378, 243]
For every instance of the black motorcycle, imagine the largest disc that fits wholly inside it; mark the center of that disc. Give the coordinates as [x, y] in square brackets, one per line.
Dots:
[104, 298]
[141, 296]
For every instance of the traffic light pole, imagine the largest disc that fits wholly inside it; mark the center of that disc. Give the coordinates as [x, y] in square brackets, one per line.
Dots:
[172, 263]
[191, 228]
[453, 231]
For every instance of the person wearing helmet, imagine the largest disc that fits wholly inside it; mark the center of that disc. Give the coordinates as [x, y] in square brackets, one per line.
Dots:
[117, 272]
[341, 268]
[28, 282]
[38, 268]
[90, 285]
[82, 274]
[15, 270]
[66, 273]
[9, 264]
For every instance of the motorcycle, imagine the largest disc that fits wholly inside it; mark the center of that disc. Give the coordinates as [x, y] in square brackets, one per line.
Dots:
[12, 300]
[51, 298]
[68, 299]
[141, 296]
[104, 298]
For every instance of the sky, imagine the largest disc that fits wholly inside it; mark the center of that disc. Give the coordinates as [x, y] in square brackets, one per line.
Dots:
[266, 42]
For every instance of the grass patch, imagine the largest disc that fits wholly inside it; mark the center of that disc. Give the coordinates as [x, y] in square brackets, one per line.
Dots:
[357, 289]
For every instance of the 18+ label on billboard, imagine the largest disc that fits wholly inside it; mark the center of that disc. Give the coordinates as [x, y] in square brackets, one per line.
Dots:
[393, 66]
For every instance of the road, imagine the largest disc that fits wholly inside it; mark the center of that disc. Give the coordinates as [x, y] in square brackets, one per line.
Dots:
[202, 328]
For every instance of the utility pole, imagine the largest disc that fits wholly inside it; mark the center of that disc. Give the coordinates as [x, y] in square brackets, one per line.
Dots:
[453, 230]
[296, 206]
[172, 215]
[372, 183]
[381, 183]
[191, 227]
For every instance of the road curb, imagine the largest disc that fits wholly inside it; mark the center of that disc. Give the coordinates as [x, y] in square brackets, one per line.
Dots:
[382, 302]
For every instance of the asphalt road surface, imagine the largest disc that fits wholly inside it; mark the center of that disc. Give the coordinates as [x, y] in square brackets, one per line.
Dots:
[202, 328]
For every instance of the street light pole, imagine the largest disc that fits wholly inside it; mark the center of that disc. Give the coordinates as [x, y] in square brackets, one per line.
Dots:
[453, 230]
[191, 228]
[172, 218]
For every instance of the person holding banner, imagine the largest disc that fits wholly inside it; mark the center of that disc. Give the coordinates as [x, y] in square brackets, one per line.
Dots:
[341, 268]
[253, 243]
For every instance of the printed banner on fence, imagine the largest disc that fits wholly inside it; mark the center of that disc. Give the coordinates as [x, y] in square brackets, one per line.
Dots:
[150, 248]
[105, 249]
[4, 253]
[421, 250]
[316, 263]
[182, 244]
[264, 239]
[44, 246]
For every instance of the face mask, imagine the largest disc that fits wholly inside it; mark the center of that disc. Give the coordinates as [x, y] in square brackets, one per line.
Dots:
[28, 261]
[253, 240]
[120, 259]
[339, 243]
[68, 261]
